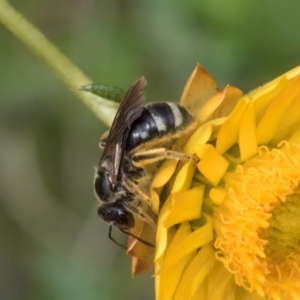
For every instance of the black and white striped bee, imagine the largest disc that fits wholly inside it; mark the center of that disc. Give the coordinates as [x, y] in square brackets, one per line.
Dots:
[139, 138]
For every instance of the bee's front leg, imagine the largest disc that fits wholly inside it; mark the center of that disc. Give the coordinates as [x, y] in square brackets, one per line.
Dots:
[134, 189]
[141, 214]
[102, 142]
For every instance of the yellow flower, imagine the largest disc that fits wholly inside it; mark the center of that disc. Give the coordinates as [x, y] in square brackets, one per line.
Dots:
[229, 228]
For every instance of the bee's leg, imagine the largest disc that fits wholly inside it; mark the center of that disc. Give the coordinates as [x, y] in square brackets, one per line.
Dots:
[136, 191]
[112, 239]
[136, 237]
[143, 158]
[103, 139]
[140, 213]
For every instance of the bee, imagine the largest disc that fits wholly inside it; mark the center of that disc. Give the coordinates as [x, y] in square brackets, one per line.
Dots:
[139, 138]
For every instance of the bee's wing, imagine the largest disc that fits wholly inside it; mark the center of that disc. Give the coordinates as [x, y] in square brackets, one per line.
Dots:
[129, 110]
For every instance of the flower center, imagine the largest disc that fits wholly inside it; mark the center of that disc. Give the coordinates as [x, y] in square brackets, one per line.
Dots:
[283, 235]
[258, 232]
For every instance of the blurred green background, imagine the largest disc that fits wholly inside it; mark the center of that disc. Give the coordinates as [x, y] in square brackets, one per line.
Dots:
[52, 243]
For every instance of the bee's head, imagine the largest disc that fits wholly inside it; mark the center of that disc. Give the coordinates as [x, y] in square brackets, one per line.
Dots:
[116, 215]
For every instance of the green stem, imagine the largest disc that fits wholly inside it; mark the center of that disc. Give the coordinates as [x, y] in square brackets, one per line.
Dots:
[51, 56]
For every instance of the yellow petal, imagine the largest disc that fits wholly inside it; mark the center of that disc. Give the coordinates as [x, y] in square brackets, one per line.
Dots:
[210, 106]
[263, 99]
[199, 87]
[170, 279]
[162, 232]
[186, 206]
[247, 133]
[232, 96]
[292, 73]
[142, 255]
[199, 137]
[295, 139]
[164, 173]
[289, 122]
[217, 195]
[203, 134]
[212, 165]
[202, 291]
[158, 284]
[228, 133]
[267, 127]
[155, 200]
[197, 270]
[225, 281]
[269, 86]
[162, 176]
[139, 266]
[228, 95]
[195, 240]
[184, 178]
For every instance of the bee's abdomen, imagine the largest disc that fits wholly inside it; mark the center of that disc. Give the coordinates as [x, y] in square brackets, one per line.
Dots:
[157, 120]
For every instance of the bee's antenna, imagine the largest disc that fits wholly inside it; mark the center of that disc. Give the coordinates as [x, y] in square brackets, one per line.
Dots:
[139, 239]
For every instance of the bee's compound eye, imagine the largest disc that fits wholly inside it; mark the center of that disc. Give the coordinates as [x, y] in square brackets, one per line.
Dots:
[117, 216]
[102, 185]
[103, 212]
